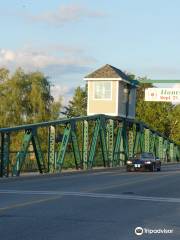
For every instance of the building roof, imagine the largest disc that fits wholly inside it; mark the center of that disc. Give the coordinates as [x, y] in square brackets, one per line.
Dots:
[108, 71]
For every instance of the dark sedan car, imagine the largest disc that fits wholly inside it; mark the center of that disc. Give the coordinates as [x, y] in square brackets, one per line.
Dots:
[144, 161]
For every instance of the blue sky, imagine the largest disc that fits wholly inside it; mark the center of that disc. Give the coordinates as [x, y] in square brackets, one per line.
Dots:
[68, 39]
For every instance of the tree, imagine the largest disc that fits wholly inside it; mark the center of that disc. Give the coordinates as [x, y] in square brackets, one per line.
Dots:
[155, 114]
[4, 74]
[175, 124]
[78, 105]
[26, 98]
[41, 103]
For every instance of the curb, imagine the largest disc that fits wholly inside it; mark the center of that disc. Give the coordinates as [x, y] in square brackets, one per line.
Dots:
[61, 174]
[32, 176]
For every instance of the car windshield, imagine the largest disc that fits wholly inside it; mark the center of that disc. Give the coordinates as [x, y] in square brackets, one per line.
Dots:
[143, 155]
[146, 155]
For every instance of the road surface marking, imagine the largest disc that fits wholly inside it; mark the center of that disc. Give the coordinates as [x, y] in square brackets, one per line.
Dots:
[133, 181]
[18, 205]
[94, 195]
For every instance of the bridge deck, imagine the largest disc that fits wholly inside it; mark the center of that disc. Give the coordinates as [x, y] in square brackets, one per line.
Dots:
[98, 205]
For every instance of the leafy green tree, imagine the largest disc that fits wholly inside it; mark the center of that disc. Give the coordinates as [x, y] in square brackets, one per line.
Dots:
[78, 105]
[4, 74]
[41, 103]
[155, 114]
[26, 98]
[175, 124]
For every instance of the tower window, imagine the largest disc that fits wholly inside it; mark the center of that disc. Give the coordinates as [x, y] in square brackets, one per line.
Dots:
[102, 90]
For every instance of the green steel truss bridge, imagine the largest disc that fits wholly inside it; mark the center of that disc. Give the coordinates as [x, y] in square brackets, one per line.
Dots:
[116, 139]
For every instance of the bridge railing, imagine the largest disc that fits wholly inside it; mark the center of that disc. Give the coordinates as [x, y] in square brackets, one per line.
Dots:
[82, 143]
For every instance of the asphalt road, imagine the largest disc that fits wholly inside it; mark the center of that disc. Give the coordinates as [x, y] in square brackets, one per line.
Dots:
[105, 205]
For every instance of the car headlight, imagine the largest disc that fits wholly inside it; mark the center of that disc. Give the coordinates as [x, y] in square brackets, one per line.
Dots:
[129, 162]
[148, 162]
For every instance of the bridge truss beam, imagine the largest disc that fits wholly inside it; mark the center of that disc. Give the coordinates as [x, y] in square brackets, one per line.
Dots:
[93, 141]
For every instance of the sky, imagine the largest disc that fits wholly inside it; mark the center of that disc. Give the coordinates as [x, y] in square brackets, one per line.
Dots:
[68, 39]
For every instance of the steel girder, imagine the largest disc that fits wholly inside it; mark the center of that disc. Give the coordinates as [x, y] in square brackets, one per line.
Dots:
[85, 148]
[110, 140]
[29, 136]
[51, 149]
[99, 131]
[5, 152]
[117, 138]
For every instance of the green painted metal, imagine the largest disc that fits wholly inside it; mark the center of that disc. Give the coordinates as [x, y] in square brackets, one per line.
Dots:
[5, 158]
[159, 81]
[38, 152]
[51, 149]
[110, 140]
[85, 144]
[100, 131]
[118, 139]
[155, 150]
[172, 152]
[177, 154]
[137, 142]
[147, 140]
[142, 140]
[75, 145]
[116, 157]
[92, 150]
[131, 143]
[152, 142]
[103, 142]
[125, 143]
[63, 147]
[160, 150]
[21, 155]
[165, 149]
[2, 155]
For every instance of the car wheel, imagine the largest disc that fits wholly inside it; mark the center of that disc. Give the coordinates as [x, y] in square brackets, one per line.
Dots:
[152, 168]
[159, 168]
[128, 169]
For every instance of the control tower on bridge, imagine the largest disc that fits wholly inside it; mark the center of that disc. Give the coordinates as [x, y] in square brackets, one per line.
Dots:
[111, 92]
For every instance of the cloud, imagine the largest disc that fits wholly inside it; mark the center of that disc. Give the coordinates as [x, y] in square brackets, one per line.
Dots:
[61, 63]
[7, 55]
[25, 58]
[62, 92]
[66, 60]
[65, 14]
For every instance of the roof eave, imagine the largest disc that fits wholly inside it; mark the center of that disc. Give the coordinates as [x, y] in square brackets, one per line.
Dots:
[110, 79]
